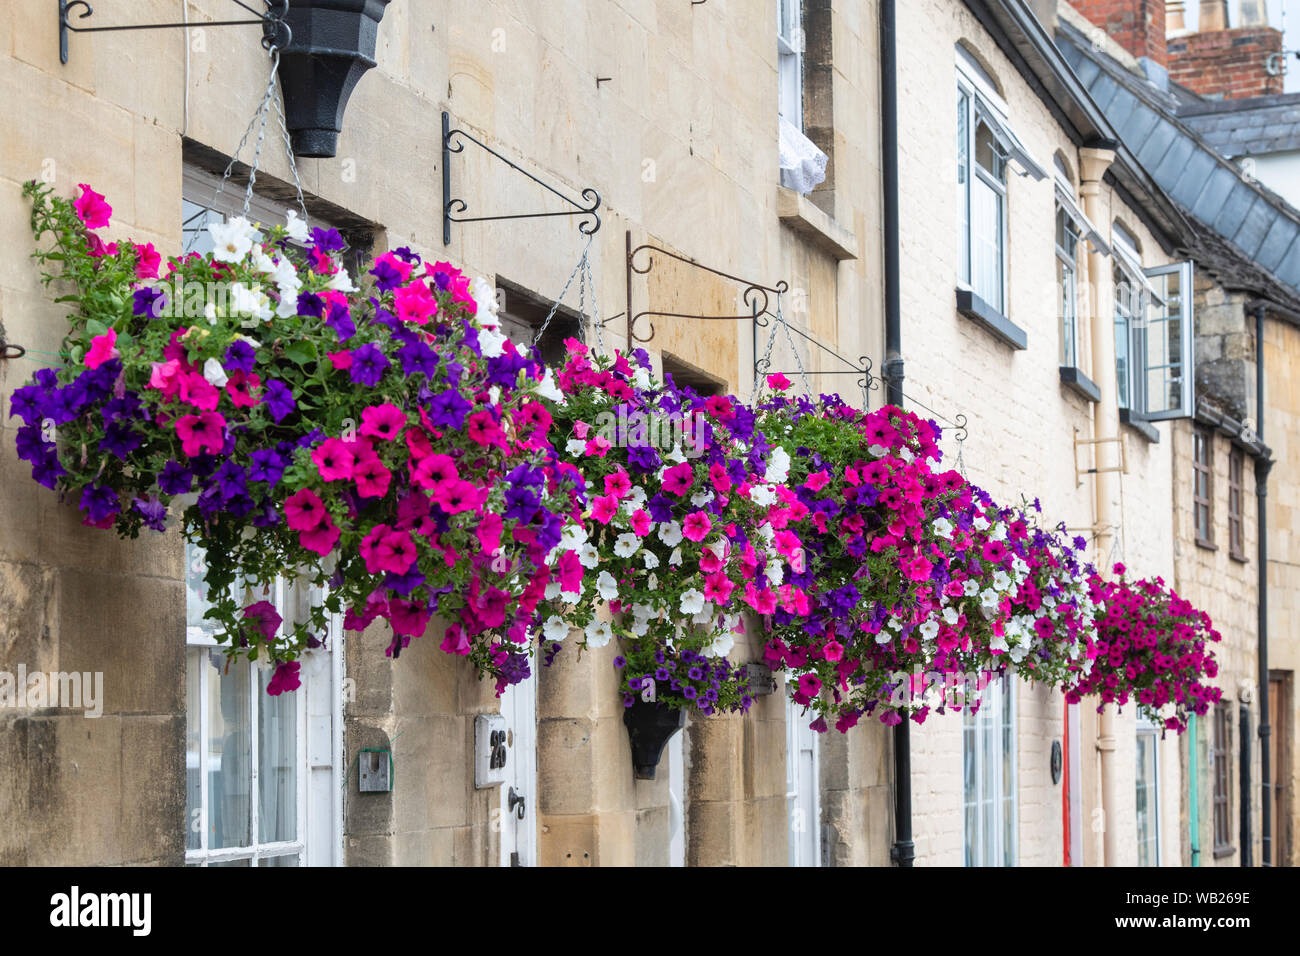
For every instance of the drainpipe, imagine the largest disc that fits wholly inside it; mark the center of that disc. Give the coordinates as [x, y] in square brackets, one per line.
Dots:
[1093, 163]
[1262, 467]
[1194, 793]
[1244, 763]
[903, 851]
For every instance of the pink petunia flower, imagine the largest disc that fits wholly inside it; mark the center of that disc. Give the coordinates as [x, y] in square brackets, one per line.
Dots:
[198, 391]
[410, 618]
[678, 479]
[455, 642]
[303, 510]
[147, 261]
[618, 484]
[264, 618]
[604, 508]
[696, 526]
[718, 588]
[371, 476]
[102, 348]
[320, 539]
[384, 421]
[641, 523]
[817, 480]
[415, 303]
[334, 459]
[203, 432]
[91, 208]
[778, 382]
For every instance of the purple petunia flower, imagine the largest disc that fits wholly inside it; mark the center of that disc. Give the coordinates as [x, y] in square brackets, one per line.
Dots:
[153, 511]
[341, 322]
[267, 466]
[99, 502]
[310, 304]
[175, 479]
[119, 440]
[148, 301]
[368, 365]
[240, 357]
[48, 469]
[417, 357]
[448, 410]
[278, 399]
[327, 240]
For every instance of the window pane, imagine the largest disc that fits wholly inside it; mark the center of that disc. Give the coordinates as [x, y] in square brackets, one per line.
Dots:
[963, 183]
[986, 235]
[1068, 291]
[196, 596]
[193, 751]
[243, 862]
[229, 751]
[1164, 347]
[277, 764]
[287, 860]
[987, 151]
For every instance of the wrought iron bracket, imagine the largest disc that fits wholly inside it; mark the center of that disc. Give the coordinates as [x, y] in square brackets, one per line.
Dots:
[754, 294]
[276, 11]
[11, 350]
[867, 381]
[588, 225]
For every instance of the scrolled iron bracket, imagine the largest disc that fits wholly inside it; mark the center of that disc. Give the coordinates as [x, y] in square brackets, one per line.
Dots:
[275, 13]
[754, 294]
[453, 141]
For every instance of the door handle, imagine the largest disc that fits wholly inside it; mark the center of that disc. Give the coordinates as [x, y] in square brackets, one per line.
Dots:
[516, 804]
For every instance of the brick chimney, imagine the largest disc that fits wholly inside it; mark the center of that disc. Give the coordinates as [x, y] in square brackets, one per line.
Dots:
[1224, 62]
[1136, 25]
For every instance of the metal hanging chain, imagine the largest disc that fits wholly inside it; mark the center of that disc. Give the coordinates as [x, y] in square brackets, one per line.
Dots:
[764, 365]
[563, 292]
[590, 281]
[803, 373]
[270, 97]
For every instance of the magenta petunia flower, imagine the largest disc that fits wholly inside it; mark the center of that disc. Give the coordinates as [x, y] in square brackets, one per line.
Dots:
[303, 510]
[147, 261]
[102, 348]
[696, 526]
[678, 479]
[334, 459]
[320, 539]
[264, 618]
[285, 678]
[371, 476]
[778, 382]
[92, 210]
[604, 508]
[415, 303]
[641, 523]
[382, 421]
[203, 432]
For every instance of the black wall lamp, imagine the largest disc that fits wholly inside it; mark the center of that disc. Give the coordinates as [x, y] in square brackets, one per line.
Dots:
[329, 44]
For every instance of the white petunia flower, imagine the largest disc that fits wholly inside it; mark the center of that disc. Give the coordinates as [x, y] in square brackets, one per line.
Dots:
[555, 629]
[232, 240]
[245, 301]
[588, 556]
[1001, 580]
[295, 227]
[575, 446]
[547, 389]
[491, 343]
[981, 523]
[573, 537]
[675, 559]
[720, 646]
[692, 602]
[969, 587]
[701, 498]
[930, 629]
[210, 313]
[989, 599]
[607, 586]
[670, 533]
[626, 545]
[552, 590]
[569, 597]
[650, 559]
[485, 298]
[762, 495]
[942, 527]
[214, 373]
[598, 633]
[774, 572]
[705, 615]
[641, 378]
[951, 616]
[778, 465]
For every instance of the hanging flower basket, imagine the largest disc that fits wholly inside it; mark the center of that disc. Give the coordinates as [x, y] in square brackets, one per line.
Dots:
[387, 442]
[671, 540]
[1151, 646]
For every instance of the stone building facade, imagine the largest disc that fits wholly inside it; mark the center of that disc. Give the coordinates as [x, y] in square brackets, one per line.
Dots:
[670, 111]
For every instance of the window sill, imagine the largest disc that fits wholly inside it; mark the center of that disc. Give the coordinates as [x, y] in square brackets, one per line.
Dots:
[1206, 545]
[1239, 557]
[1080, 384]
[1143, 428]
[1221, 851]
[980, 312]
[803, 217]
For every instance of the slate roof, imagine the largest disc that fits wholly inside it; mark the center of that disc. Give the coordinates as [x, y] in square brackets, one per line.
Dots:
[1249, 127]
[1244, 234]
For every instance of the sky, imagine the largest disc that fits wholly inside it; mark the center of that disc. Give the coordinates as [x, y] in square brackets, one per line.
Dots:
[1290, 39]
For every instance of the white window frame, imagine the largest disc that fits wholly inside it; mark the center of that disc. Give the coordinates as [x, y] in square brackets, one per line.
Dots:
[1068, 294]
[790, 61]
[1145, 728]
[286, 597]
[997, 715]
[802, 786]
[1147, 303]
